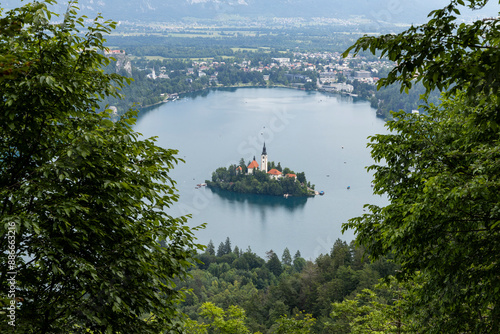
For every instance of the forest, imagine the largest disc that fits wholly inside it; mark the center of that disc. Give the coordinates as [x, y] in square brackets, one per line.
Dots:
[280, 293]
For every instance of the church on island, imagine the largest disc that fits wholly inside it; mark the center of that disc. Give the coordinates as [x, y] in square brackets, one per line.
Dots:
[254, 165]
[251, 179]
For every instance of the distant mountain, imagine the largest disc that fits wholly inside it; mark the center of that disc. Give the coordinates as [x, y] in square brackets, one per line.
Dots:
[393, 11]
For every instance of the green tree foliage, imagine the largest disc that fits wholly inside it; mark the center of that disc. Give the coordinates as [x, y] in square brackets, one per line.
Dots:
[221, 250]
[194, 327]
[441, 172]
[231, 321]
[210, 248]
[298, 262]
[227, 246]
[381, 310]
[236, 251]
[286, 258]
[341, 253]
[390, 98]
[299, 324]
[84, 195]
[251, 283]
[273, 263]
[441, 177]
[301, 177]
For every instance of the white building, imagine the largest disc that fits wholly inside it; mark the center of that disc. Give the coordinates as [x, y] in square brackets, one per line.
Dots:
[263, 159]
[343, 87]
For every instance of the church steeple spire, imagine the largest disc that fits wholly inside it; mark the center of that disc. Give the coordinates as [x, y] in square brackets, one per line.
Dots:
[263, 159]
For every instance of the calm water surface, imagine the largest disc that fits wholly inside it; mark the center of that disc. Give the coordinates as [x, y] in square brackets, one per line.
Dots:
[324, 136]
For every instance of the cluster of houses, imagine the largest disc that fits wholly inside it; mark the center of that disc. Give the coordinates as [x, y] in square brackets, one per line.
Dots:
[162, 75]
[329, 66]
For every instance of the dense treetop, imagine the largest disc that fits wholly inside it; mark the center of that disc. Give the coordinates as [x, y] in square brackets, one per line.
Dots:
[279, 290]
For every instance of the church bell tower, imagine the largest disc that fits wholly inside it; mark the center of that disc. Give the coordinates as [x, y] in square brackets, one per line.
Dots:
[263, 159]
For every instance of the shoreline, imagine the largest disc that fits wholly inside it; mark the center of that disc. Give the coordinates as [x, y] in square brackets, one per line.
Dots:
[211, 186]
[249, 86]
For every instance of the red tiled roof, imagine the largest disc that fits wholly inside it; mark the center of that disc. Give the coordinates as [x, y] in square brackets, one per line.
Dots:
[274, 171]
[253, 164]
[239, 168]
[291, 175]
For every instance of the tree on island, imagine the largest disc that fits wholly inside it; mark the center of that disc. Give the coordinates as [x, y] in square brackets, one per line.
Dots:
[83, 197]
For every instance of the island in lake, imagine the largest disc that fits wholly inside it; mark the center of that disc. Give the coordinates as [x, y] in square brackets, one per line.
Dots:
[268, 179]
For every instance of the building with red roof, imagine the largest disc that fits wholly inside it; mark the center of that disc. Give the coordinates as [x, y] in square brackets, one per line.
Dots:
[253, 164]
[275, 174]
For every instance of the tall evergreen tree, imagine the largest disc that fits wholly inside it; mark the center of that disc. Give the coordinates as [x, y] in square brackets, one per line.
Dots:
[221, 250]
[298, 262]
[237, 251]
[341, 253]
[227, 246]
[273, 263]
[210, 248]
[286, 258]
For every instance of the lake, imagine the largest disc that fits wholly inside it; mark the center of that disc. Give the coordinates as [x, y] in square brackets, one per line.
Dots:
[320, 134]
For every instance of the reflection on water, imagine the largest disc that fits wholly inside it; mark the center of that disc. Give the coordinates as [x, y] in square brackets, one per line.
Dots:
[200, 93]
[262, 207]
[267, 201]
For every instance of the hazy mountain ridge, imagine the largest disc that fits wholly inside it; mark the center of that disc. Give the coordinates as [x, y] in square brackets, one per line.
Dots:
[173, 10]
[392, 11]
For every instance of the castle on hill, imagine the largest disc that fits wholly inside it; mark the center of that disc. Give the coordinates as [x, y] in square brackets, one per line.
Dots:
[254, 165]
